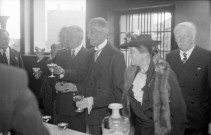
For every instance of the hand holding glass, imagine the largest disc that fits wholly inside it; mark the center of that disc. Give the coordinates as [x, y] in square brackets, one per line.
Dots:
[51, 68]
[78, 98]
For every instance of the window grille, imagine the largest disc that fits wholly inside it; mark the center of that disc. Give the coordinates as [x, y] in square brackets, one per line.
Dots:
[158, 23]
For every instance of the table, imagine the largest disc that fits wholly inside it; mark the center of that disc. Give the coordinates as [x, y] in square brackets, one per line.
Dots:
[53, 129]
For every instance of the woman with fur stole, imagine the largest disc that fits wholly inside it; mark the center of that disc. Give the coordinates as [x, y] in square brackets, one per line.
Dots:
[152, 97]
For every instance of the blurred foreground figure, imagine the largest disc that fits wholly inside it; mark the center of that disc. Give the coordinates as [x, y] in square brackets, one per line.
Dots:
[18, 108]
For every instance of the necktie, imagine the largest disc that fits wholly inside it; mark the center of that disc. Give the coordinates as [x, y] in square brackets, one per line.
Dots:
[97, 54]
[73, 54]
[184, 58]
[5, 57]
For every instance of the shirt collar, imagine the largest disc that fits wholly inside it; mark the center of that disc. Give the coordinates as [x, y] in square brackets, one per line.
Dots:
[102, 45]
[188, 52]
[77, 49]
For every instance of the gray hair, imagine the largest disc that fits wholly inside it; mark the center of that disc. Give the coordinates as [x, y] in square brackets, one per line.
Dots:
[100, 23]
[189, 25]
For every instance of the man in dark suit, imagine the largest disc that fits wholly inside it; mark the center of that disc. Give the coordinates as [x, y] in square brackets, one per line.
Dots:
[105, 77]
[72, 69]
[8, 55]
[192, 66]
[18, 107]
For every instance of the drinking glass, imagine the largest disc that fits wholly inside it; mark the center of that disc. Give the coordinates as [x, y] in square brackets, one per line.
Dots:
[46, 118]
[62, 126]
[77, 97]
[51, 68]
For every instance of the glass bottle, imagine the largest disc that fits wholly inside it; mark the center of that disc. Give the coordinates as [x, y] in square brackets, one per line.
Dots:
[115, 124]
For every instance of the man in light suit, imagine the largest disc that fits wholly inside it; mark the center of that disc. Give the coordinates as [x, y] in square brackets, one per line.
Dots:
[8, 55]
[18, 107]
[105, 77]
[192, 67]
[72, 69]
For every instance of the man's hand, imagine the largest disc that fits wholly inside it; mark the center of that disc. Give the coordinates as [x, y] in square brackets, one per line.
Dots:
[86, 103]
[65, 87]
[38, 74]
[58, 70]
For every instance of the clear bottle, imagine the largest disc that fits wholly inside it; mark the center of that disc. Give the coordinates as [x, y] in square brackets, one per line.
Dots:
[115, 124]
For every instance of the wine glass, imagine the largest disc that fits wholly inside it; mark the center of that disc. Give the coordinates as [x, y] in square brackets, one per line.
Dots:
[77, 97]
[46, 118]
[51, 68]
[62, 126]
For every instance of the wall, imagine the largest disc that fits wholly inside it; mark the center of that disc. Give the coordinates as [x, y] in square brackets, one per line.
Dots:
[199, 13]
[188, 10]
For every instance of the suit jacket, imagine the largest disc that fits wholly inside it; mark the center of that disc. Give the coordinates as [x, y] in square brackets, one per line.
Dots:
[15, 58]
[75, 72]
[194, 78]
[19, 110]
[105, 82]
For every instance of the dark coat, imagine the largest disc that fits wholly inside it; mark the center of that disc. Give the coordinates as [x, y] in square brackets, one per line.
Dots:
[160, 87]
[15, 58]
[19, 110]
[75, 72]
[104, 82]
[194, 78]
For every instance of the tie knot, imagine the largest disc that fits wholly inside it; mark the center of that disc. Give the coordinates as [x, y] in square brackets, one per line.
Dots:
[73, 53]
[185, 55]
[185, 58]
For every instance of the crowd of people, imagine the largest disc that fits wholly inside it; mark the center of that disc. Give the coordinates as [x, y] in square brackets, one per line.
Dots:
[161, 97]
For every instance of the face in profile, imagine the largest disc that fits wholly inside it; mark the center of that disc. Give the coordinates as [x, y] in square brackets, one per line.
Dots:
[4, 40]
[184, 38]
[96, 35]
[138, 55]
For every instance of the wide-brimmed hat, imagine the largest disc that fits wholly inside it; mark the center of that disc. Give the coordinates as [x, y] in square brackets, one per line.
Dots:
[140, 40]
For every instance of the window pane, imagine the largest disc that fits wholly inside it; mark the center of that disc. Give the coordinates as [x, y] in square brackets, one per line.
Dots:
[11, 8]
[158, 24]
[58, 14]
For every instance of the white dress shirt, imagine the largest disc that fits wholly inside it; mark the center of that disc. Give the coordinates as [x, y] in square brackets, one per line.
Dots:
[100, 47]
[188, 53]
[77, 49]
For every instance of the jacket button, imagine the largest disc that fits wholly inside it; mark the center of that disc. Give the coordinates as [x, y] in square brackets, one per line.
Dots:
[193, 89]
[192, 102]
[196, 75]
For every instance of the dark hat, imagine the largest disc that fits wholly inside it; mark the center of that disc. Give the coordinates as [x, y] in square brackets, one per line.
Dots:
[138, 40]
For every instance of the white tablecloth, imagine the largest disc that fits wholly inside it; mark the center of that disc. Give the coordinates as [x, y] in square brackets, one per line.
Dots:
[54, 130]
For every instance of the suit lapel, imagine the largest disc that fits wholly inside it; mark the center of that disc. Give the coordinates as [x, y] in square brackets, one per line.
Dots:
[13, 58]
[193, 57]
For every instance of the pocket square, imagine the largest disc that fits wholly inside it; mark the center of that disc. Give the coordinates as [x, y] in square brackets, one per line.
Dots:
[16, 58]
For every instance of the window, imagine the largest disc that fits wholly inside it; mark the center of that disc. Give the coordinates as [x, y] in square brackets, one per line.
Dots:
[11, 8]
[51, 15]
[154, 21]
